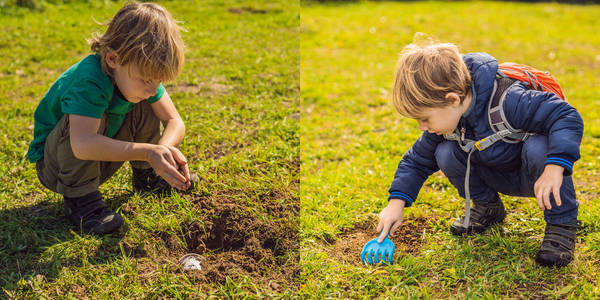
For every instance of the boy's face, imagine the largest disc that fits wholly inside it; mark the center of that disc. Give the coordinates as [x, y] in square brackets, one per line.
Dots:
[443, 120]
[132, 85]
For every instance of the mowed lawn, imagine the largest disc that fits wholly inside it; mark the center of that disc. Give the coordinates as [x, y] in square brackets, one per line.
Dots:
[352, 140]
[238, 96]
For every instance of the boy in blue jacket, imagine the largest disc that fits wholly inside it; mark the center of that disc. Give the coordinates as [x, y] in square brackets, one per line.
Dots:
[449, 93]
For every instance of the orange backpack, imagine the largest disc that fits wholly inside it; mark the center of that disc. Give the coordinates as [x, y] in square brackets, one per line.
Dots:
[507, 75]
[535, 79]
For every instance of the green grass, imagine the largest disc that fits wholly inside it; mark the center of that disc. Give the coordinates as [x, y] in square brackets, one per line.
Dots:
[238, 95]
[352, 140]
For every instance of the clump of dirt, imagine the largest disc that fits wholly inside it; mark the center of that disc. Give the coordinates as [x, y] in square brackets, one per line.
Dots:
[408, 239]
[234, 238]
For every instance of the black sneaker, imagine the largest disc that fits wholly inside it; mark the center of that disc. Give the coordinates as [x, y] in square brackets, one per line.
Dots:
[146, 180]
[483, 215]
[558, 245]
[91, 215]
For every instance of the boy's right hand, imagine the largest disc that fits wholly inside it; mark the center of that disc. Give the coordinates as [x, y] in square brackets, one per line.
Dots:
[165, 165]
[182, 166]
[390, 218]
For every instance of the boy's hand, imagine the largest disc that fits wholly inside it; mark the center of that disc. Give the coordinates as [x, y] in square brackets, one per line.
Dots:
[390, 218]
[165, 164]
[549, 182]
[182, 163]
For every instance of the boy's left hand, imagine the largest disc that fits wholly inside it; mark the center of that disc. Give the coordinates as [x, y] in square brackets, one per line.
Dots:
[549, 182]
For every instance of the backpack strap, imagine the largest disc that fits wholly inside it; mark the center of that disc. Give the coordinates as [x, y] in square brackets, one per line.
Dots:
[464, 143]
[497, 120]
[502, 131]
[496, 116]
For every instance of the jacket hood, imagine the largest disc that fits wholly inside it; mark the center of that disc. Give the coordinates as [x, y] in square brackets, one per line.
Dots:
[483, 68]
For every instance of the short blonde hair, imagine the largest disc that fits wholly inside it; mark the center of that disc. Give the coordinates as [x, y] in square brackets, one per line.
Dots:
[425, 74]
[146, 35]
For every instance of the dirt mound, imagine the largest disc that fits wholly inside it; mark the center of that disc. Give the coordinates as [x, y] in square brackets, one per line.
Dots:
[237, 238]
[408, 240]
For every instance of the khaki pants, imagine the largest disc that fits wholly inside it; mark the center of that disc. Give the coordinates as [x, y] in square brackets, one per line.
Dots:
[60, 171]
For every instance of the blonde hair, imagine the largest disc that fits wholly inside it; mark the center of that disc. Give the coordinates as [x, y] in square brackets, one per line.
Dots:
[146, 35]
[425, 74]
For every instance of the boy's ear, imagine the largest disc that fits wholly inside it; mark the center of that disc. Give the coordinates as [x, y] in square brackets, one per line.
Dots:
[453, 99]
[111, 58]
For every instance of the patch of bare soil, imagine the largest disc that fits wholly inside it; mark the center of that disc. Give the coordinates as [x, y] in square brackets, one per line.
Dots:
[237, 240]
[408, 240]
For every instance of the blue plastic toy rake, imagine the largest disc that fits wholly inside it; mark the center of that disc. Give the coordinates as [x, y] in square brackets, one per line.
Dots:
[374, 252]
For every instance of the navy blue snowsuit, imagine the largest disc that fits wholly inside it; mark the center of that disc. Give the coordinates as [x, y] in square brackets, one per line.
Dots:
[510, 169]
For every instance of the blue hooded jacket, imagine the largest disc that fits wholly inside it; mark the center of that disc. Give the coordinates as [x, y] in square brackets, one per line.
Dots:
[532, 111]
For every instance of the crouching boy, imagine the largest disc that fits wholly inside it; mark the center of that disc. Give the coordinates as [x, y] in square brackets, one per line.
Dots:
[107, 109]
[488, 135]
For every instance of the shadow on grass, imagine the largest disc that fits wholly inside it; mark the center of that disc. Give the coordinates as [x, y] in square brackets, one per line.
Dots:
[37, 241]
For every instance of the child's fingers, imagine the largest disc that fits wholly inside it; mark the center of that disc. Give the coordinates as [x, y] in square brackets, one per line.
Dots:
[384, 232]
[556, 193]
[180, 178]
[186, 172]
[379, 226]
[181, 162]
[169, 158]
[546, 197]
[538, 197]
[175, 174]
[174, 178]
[178, 156]
[394, 227]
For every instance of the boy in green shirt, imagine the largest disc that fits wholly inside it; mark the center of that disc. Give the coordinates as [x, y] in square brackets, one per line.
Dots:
[107, 109]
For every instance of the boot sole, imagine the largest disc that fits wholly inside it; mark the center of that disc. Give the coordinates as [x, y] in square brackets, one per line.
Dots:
[547, 260]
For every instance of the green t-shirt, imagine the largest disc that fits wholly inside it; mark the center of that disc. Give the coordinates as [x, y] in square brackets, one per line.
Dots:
[81, 90]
